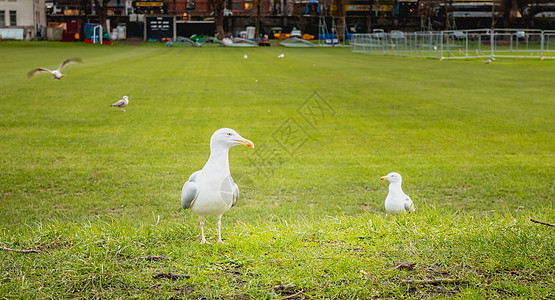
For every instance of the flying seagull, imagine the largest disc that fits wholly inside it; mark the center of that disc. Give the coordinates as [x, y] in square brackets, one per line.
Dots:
[56, 74]
[121, 103]
[396, 201]
[212, 191]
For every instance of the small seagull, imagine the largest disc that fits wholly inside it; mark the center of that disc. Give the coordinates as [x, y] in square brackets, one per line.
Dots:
[121, 103]
[56, 74]
[396, 201]
[488, 61]
[281, 55]
[245, 57]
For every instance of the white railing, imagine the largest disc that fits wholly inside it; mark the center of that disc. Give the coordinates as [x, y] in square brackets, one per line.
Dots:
[460, 44]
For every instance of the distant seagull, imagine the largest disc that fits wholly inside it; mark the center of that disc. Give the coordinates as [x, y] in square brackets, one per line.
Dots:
[122, 103]
[245, 57]
[56, 74]
[488, 61]
[396, 201]
[212, 191]
[281, 55]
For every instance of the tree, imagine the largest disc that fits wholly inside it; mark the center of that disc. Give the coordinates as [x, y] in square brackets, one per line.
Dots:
[102, 11]
[494, 14]
[511, 11]
[259, 12]
[217, 7]
[339, 14]
[257, 18]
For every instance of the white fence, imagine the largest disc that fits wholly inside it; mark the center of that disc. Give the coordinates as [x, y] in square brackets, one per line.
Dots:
[478, 43]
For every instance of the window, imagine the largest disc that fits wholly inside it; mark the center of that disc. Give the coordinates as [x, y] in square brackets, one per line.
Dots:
[13, 18]
[2, 18]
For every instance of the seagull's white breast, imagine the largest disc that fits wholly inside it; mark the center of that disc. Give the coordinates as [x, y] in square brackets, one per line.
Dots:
[394, 202]
[215, 194]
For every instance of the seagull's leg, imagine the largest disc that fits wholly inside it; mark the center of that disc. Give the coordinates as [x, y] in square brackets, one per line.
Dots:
[203, 240]
[122, 108]
[220, 229]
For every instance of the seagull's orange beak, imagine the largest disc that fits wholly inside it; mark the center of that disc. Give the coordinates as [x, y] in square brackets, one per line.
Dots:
[246, 143]
[383, 178]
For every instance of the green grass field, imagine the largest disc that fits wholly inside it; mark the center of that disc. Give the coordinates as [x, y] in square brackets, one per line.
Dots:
[96, 189]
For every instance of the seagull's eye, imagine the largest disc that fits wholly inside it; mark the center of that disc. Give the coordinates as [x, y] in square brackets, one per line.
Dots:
[229, 133]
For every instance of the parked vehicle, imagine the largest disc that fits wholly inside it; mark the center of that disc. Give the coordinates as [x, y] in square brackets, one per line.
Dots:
[397, 35]
[519, 35]
[378, 33]
[459, 35]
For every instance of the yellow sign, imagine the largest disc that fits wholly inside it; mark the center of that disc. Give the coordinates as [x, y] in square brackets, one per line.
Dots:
[148, 3]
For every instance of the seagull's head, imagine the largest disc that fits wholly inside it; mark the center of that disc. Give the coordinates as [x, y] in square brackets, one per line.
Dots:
[392, 177]
[229, 138]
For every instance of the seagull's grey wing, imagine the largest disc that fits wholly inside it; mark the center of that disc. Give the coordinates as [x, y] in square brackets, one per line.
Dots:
[118, 103]
[229, 190]
[38, 70]
[235, 192]
[68, 61]
[409, 206]
[189, 193]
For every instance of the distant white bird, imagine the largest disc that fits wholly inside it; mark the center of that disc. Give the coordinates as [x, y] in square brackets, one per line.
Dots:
[281, 55]
[122, 103]
[245, 57]
[212, 191]
[56, 74]
[396, 201]
[488, 61]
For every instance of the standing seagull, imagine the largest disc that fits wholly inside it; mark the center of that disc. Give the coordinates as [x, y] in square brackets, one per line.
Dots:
[122, 103]
[281, 55]
[211, 191]
[56, 74]
[396, 200]
[245, 57]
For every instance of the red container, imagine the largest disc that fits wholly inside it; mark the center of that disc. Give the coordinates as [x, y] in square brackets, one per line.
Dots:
[68, 37]
[74, 25]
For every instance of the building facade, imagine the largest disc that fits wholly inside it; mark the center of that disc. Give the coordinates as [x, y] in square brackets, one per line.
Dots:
[232, 7]
[22, 19]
